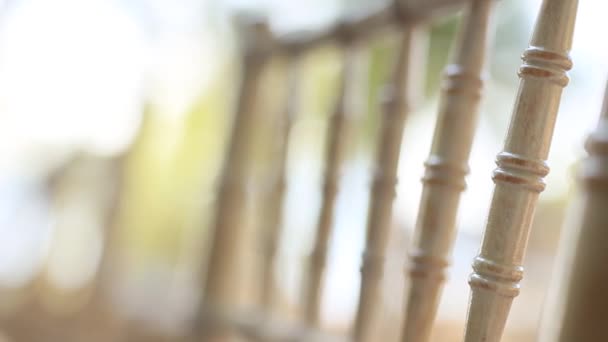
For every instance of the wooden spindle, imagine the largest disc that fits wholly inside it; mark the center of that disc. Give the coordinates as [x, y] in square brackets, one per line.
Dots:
[221, 293]
[274, 213]
[580, 309]
[518, 179]
[397, 92]
[446, 168]
[334, 155]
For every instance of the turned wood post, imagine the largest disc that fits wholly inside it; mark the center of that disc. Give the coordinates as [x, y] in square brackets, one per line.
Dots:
[274, 210]
[446, 168]
[396, 96]
[497, 270]
[337, 132]
[222, 291]
[580, 311]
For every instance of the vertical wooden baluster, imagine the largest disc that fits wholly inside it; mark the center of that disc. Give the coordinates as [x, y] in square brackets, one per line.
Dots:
[521, 169]
[580, 312]
[395, 107]
[221, 291]
[274, 214]
[334, 155]
[446, 168]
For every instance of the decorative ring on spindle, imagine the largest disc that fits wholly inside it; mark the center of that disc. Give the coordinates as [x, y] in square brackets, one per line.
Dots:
[521, 171]
[594, 169]
[520, 163]
[372, 264]
[427, 266]
[491, 276]
[383, 182]
[545, 64]
[441, 171]
[458, 80]
[390, 99]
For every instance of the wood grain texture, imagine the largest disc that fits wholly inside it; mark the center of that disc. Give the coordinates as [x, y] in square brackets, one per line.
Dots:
[397, 93]
[222, 287]
[446, 168]
[578, 309]
[274, 208]
[337, 134]
[497, 270]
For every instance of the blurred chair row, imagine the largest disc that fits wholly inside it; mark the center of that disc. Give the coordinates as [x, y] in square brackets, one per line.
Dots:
[497, 270]
[578, 302]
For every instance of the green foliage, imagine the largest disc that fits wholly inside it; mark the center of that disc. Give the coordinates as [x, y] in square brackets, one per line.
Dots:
[169, 175]
[442, 37]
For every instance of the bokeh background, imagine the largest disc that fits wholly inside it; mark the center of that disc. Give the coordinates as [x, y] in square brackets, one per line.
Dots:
[114, 115]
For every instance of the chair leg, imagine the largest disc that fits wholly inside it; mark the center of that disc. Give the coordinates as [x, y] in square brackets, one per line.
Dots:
[395, 109]
[221, 291]
[334, 155]
[580, 306]
[274, 211]
[497, 270]
[446, 168]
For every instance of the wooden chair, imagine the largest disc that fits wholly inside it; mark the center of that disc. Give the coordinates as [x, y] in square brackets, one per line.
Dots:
[397, 94]
[518, 178]
[521, 169]
[577, 309]
[578, 306]
[446, 168]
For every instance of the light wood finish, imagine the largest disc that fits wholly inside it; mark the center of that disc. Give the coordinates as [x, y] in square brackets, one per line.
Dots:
[365, 25]
[274, 209]
[222, 291]
[498, 269]
[397, 95]
[337, 132]
[580, 309]
[446, 168]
